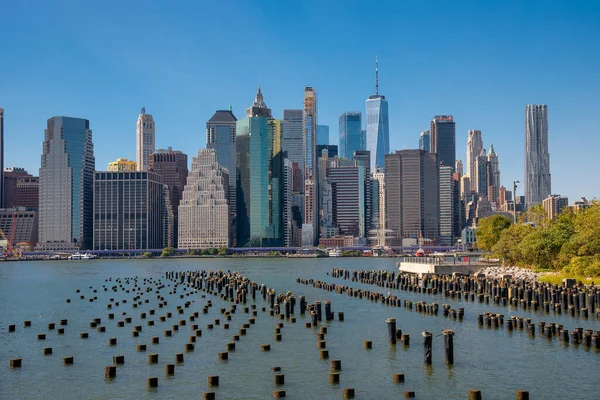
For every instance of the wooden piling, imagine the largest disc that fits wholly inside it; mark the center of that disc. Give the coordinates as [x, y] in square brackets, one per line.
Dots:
[398, 378]
[110, 371]
[152, 382]
[474, 395]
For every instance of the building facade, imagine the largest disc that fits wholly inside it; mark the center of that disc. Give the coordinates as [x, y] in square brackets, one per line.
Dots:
[11, 178]
[28, 192]
[348, 199]
[20, 224]
[554, 204]
[474, 147]
[412, 196]
[122, 165]
[66, 185]
[332, 150]
[292, 137]
[537, 159]
[145, 139]
[2, 157]
[310, 227]
[493, 190]
[128, 212]
[203, 210]
[425, 140]
[350, 134]
[378, 126]
[443, 139]
[447, 206]
[322, 134]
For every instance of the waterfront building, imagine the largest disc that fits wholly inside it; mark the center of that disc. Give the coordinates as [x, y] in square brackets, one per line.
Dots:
[20, 224]
[446, 209]
[337, 241]
[128, 211]
[122, 165]
[145, 139]
[66, 185]
[332, 150]
[443, 139]
[172, 168]
[2, 157]
[425, 140]
[322, 134]
[378, 126]
[412, 195]
[554, 204]
[310, 227]
[493, 180]
[379, 224]
[363, 157]
[537, 159]
[220, 136]
[10, 179]
[348, 199]
[350, 134]
[203, 210]
[474, 147]
[28, 192]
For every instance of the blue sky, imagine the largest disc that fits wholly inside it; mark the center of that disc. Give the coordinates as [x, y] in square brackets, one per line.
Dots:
[481, 61]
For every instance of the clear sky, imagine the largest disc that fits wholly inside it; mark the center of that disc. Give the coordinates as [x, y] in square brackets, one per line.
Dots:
[481, 61]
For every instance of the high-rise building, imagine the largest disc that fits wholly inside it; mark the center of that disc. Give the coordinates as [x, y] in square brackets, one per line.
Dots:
[493, 190]
[145, 139]
[504, 196]
[474, 146]
[28, 192]
[287, 215]
[23, 223]
[66, 185]
[425, 140]
[554, 204]
[465, 188]
[172, 168]
[443, 139]
[310, 228]
[412, 195]
[258, 192]
[446, 206]
[581, 204]
[482, 172]
[2, 157]
[332, 150]
[127, 211]
[322, 134]
[11, 177]
[203, 210]
[348, 199]
[220, 136]
[378, 126]
[379, 217]
[363, 157]
[458, 168]
[350, 134]
[537, 159]
[363, 139]
[292, 137]
[122, 165]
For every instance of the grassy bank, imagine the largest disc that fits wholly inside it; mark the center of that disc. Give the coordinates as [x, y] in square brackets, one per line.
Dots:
[556, 278]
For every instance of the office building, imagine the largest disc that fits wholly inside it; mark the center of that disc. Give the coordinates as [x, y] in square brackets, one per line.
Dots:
[287, 215]
[465, 187]
[412, 196]
[203, 210]
[443, 139]
[2, 157]
[482, 173]
[363, 157]
[66, 185]
[378, 127]
[378, 223]
[332, 150]
[322, 134]
[447, 206]
[172, 168]
[350, 134]
[425, 140]
[348, 199]
[493, 190]
[554, 204]
[122, 165]
[537, 159]
[292, 137]
[474, 146]
[28, 192]
[145, 139]
[458, 168]
[20, 226]
[581, 204]
[128, 212]
[11, 177]
[310, 227]
[220, 136]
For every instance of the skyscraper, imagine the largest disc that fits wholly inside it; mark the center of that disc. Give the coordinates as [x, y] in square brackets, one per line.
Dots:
[292, 137]
[379, 217]
[203, 210]
[145, 139]
[482, 173]
[66, 185]
[348, 199]
[412, 195]
[554, 204]
[220, 136]
[443, 139]
[474, 146]
[2, 157]
[350, 134]
[172, 168]
[537, 159]
[363, 157]
[425, 140]
[127, 211]
[494, 176]
[310, 228]
[322, 134]
[446, 206]
[378, 127]
[458, 168]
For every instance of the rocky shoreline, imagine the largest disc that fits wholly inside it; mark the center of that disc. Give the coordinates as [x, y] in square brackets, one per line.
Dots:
[497, 272]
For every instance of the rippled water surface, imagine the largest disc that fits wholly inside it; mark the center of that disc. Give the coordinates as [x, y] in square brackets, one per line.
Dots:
[494, 361]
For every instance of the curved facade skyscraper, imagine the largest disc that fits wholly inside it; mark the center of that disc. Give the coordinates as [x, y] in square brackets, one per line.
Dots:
[537, 158]
[378, 126]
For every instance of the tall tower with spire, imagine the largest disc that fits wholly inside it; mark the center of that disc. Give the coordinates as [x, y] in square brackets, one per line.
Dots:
[494, 176]
[145, 139]
[258, 108]
[378, 128]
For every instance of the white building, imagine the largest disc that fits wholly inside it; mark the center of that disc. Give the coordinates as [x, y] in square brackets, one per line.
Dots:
[145, 139]
[203, 210]
[474, 146]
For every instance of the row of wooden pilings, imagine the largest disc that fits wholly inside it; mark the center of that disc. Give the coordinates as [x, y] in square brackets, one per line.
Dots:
[571, 299]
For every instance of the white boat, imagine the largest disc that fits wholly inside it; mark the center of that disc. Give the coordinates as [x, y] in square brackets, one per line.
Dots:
[335, 253]
[79, 256]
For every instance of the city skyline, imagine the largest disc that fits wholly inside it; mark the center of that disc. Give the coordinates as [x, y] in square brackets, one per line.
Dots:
[484, 82]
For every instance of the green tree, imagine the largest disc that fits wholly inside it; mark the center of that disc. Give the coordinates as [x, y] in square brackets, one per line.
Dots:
[508, 247]
[147, 255]
[167, 252]
[222, 251]
[489, 230]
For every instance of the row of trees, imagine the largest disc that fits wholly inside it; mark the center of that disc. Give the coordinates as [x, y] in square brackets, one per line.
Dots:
[570, 243]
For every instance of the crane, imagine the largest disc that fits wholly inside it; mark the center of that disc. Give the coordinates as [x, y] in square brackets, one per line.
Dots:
[10, 251]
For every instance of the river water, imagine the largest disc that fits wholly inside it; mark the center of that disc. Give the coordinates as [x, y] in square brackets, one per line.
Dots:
[494, 361]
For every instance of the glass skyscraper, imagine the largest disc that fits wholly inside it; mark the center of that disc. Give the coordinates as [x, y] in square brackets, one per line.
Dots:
[66, 185]
[425, 140]
[350, 134]
[322, 134]
[378, 127]
[537, 158]
[443, 139]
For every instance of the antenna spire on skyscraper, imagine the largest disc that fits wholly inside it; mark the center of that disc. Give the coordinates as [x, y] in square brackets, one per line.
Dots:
[376, 75]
